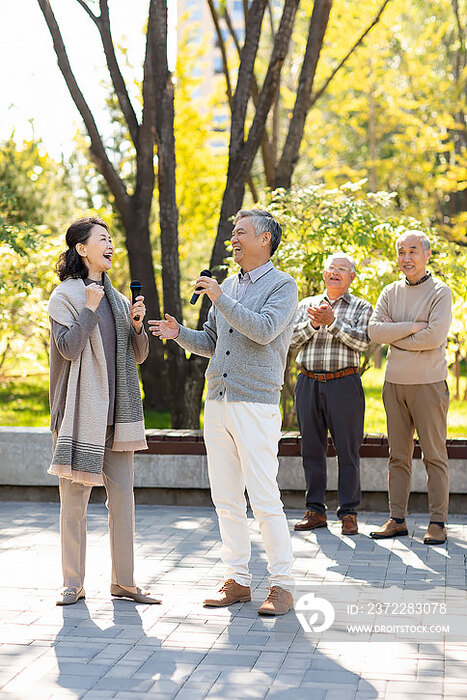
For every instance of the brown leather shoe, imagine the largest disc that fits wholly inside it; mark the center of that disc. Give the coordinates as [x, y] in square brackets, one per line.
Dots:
[390, 529]
[230, 592]
[311, 520]
[349, 524]
[435, 534]
[139, 596]
[278, 602]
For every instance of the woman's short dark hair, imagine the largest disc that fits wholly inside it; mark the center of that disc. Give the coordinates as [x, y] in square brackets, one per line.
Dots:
[70, 262]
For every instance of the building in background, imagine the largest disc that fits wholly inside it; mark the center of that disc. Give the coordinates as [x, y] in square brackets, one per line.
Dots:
[194, 24]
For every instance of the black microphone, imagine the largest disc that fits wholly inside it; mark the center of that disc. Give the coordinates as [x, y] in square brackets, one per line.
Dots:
[195, 297]
[135, 286]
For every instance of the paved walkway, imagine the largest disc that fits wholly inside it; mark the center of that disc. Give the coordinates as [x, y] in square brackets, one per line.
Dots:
[100, 648]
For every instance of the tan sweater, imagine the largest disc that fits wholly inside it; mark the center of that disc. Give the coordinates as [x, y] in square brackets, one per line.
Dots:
[414, 358]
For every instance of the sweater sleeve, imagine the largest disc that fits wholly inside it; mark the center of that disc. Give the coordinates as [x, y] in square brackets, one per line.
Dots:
[435, 334]
[355, 335]
[264, 326]
[200, 342]
[381, 332]
[70, 341]
[140, 342]
[303, 331]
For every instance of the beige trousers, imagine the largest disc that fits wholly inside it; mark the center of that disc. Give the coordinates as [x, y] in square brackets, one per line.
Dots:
[118, 481]
[423, 407]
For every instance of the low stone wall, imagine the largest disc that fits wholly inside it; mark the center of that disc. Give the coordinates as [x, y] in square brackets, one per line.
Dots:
[179, 476]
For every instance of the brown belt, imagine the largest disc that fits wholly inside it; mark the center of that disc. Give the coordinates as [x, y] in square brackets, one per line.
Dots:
[326, 376]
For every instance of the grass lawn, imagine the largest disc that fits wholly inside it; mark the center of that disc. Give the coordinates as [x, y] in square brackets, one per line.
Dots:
[24, 402]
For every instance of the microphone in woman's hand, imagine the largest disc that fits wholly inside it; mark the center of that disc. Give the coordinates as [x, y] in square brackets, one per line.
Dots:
[203, 273]
[135, 287]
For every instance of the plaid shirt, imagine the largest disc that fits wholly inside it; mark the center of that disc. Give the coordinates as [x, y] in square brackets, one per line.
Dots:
[337, 346]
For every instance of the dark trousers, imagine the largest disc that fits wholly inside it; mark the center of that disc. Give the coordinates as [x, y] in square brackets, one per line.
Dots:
[338, 406]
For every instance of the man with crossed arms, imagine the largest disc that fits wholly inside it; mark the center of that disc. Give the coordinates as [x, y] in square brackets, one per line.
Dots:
[247, 336]
[413, 316]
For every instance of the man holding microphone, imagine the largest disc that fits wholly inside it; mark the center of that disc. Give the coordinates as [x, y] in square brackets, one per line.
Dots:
[247, 336]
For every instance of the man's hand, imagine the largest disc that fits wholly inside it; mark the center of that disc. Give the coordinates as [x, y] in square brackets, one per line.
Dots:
[321, 315]
[419, 326]
[209, 286]
[416, 326]
[137, 309]
[165, 330]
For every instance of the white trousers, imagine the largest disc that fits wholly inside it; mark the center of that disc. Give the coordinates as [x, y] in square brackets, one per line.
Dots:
[241, 443]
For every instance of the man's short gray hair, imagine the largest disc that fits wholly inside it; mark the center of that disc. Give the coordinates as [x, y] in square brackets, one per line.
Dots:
[422, 237]
[340, 254]
[262, 221]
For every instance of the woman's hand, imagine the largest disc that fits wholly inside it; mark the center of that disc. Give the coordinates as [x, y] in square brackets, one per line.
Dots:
[94, 294]
[137, 309]
[165, 330]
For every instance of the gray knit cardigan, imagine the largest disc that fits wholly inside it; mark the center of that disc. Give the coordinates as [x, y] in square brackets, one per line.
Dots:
[247, 340]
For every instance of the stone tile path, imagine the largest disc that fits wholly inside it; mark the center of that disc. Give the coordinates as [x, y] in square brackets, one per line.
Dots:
[100, 648]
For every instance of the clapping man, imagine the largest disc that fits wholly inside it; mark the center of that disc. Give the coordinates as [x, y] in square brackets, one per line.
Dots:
[331, 331]
[247, 336]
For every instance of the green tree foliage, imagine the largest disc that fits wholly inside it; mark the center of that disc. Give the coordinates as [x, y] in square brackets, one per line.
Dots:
[35, 199]
[318, 221]
[394, 113]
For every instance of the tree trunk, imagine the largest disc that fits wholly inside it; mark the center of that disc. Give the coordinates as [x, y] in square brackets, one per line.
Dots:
[153, 370]
[190, 403]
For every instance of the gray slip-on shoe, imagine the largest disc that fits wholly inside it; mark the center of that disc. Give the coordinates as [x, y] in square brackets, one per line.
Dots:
[70, 595]
[139, 597]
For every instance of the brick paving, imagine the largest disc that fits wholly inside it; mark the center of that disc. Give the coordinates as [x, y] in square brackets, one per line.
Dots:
[104, 648]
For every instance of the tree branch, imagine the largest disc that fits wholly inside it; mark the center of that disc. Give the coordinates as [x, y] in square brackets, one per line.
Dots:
[98, 152]
[88, 11]
[267, 151]
[317, 29]
[271, 20]
[230, 27]
[318, 94]
[221, 42]
[269, 89]
[102, 23]
[115, 72]
[145, 176]
[460, 28]
[245, 73]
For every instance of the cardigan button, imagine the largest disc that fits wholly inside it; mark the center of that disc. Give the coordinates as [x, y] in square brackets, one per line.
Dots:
[227, 352]
[225, 374]
[230, 330]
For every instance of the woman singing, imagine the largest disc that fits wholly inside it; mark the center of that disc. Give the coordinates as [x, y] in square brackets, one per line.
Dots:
[97, 420]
